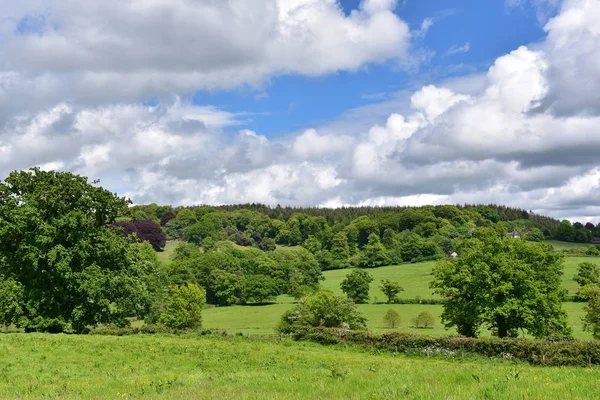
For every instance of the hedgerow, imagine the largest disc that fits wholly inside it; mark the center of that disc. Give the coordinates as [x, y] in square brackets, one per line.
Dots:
[548, 352]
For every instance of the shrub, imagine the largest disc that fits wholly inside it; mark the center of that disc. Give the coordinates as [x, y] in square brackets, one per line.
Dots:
[587, 274]
[591, 319]
[267, 244]
[391, 319]
[146, 231]
[424, 320]
[184, 307]
[322, 309]
[538, 352]
[303, 291]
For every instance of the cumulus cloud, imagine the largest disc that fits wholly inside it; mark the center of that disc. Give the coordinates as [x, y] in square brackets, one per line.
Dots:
[526, 134]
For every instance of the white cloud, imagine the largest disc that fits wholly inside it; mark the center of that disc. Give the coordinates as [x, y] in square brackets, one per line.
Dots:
[459, 49]
[526, 134]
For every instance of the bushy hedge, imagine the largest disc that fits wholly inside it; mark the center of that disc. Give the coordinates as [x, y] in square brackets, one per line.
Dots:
[148, 329]
[549, 352]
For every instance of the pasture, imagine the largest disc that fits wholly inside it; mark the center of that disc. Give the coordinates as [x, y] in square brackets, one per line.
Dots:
[199, 367]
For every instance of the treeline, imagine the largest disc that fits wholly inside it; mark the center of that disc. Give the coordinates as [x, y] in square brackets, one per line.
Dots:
[377, 236]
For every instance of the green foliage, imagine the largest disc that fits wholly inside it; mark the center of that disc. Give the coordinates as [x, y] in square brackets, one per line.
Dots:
[534, 235]
[184, 307]
[374, 253]
[550, 352]
[56, 244]
[587, 274]
[391, 290]
[356, 285]
[504, 283]
[591, 319]
[424, 320]
[391, 319]
[322, 309]
[303, 291]
[564, 232]
[267, 244]
[259, 289]
[592, 251]
[11, 302]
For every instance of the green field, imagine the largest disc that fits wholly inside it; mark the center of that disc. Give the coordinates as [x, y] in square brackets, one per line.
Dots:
[196, 367]
[562, 246]
[413, 277]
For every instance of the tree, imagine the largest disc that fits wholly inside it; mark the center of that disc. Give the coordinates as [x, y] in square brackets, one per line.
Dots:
[504, 283]
[267, 244]
[55, 242]
[390, 290]
[145, 231]
[374, 253]
[339, 248]
[592, 251]
[591, 319]
[258, 289]
[565, 231]
[356, 285]
[323, 309]
[184, 307]
[589, 226]
[424, 320]
[587, 274]
[534, 235]
[391, 319]
[11, 302]
[166, 217]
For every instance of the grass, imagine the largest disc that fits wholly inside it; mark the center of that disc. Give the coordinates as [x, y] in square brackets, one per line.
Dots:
[562, 246]
[194, 367]
[166, 256]
[414, 278]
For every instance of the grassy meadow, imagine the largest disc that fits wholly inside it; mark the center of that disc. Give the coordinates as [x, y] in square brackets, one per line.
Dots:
[197, 367]
[261, 319]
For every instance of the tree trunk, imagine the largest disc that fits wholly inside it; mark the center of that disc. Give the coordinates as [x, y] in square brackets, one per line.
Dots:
[502, 326]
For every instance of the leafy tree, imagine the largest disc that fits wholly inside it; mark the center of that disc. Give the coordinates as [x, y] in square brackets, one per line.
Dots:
[504, 283]
[339, 248]
[565, 232]
[534, 235]
[241, 239]
[356, 285]
[587, 274]
[11, 302]
[592, 309]
[259, 288]
[391, 290]
[374, 254]
[303, 291]
[55, 242]
[313, 245]
[267, 244]
[224, 288]
[424, 320]
[184, 307]
[145, 231]
[323, 309]
[391, 319]
[589, 226]
[166, 217]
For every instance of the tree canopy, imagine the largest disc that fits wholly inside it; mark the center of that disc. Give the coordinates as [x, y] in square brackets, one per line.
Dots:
[505, 284]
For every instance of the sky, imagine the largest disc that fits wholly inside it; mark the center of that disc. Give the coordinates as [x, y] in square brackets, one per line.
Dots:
[309, 102]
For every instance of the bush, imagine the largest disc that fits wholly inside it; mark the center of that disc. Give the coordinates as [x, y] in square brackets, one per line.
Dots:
[323, 309]
[267, 244]
[184, 307]
[391, 319]
[303, 291]
[538, 352]
[424, 320]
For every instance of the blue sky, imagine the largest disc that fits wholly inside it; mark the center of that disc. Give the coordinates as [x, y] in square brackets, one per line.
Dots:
[309, 102]
[290, 103]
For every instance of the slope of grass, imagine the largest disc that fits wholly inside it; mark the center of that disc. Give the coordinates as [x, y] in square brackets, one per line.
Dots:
[166, 256]
[414, 278]
[561, 246]
[193, 367]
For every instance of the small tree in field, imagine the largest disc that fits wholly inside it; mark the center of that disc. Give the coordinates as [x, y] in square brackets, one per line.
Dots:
[587, 274]
[184, 307]
[391, 319]
[424, 320]
[356, 285]
[390, 290]
[323, 309]
[591, 319]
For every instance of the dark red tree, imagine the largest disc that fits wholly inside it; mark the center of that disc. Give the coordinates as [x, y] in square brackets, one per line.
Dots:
[166, 218]
[145, 231]
[589, 226]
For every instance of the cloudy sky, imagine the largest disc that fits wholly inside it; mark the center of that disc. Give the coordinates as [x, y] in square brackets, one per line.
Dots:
[309, 102]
